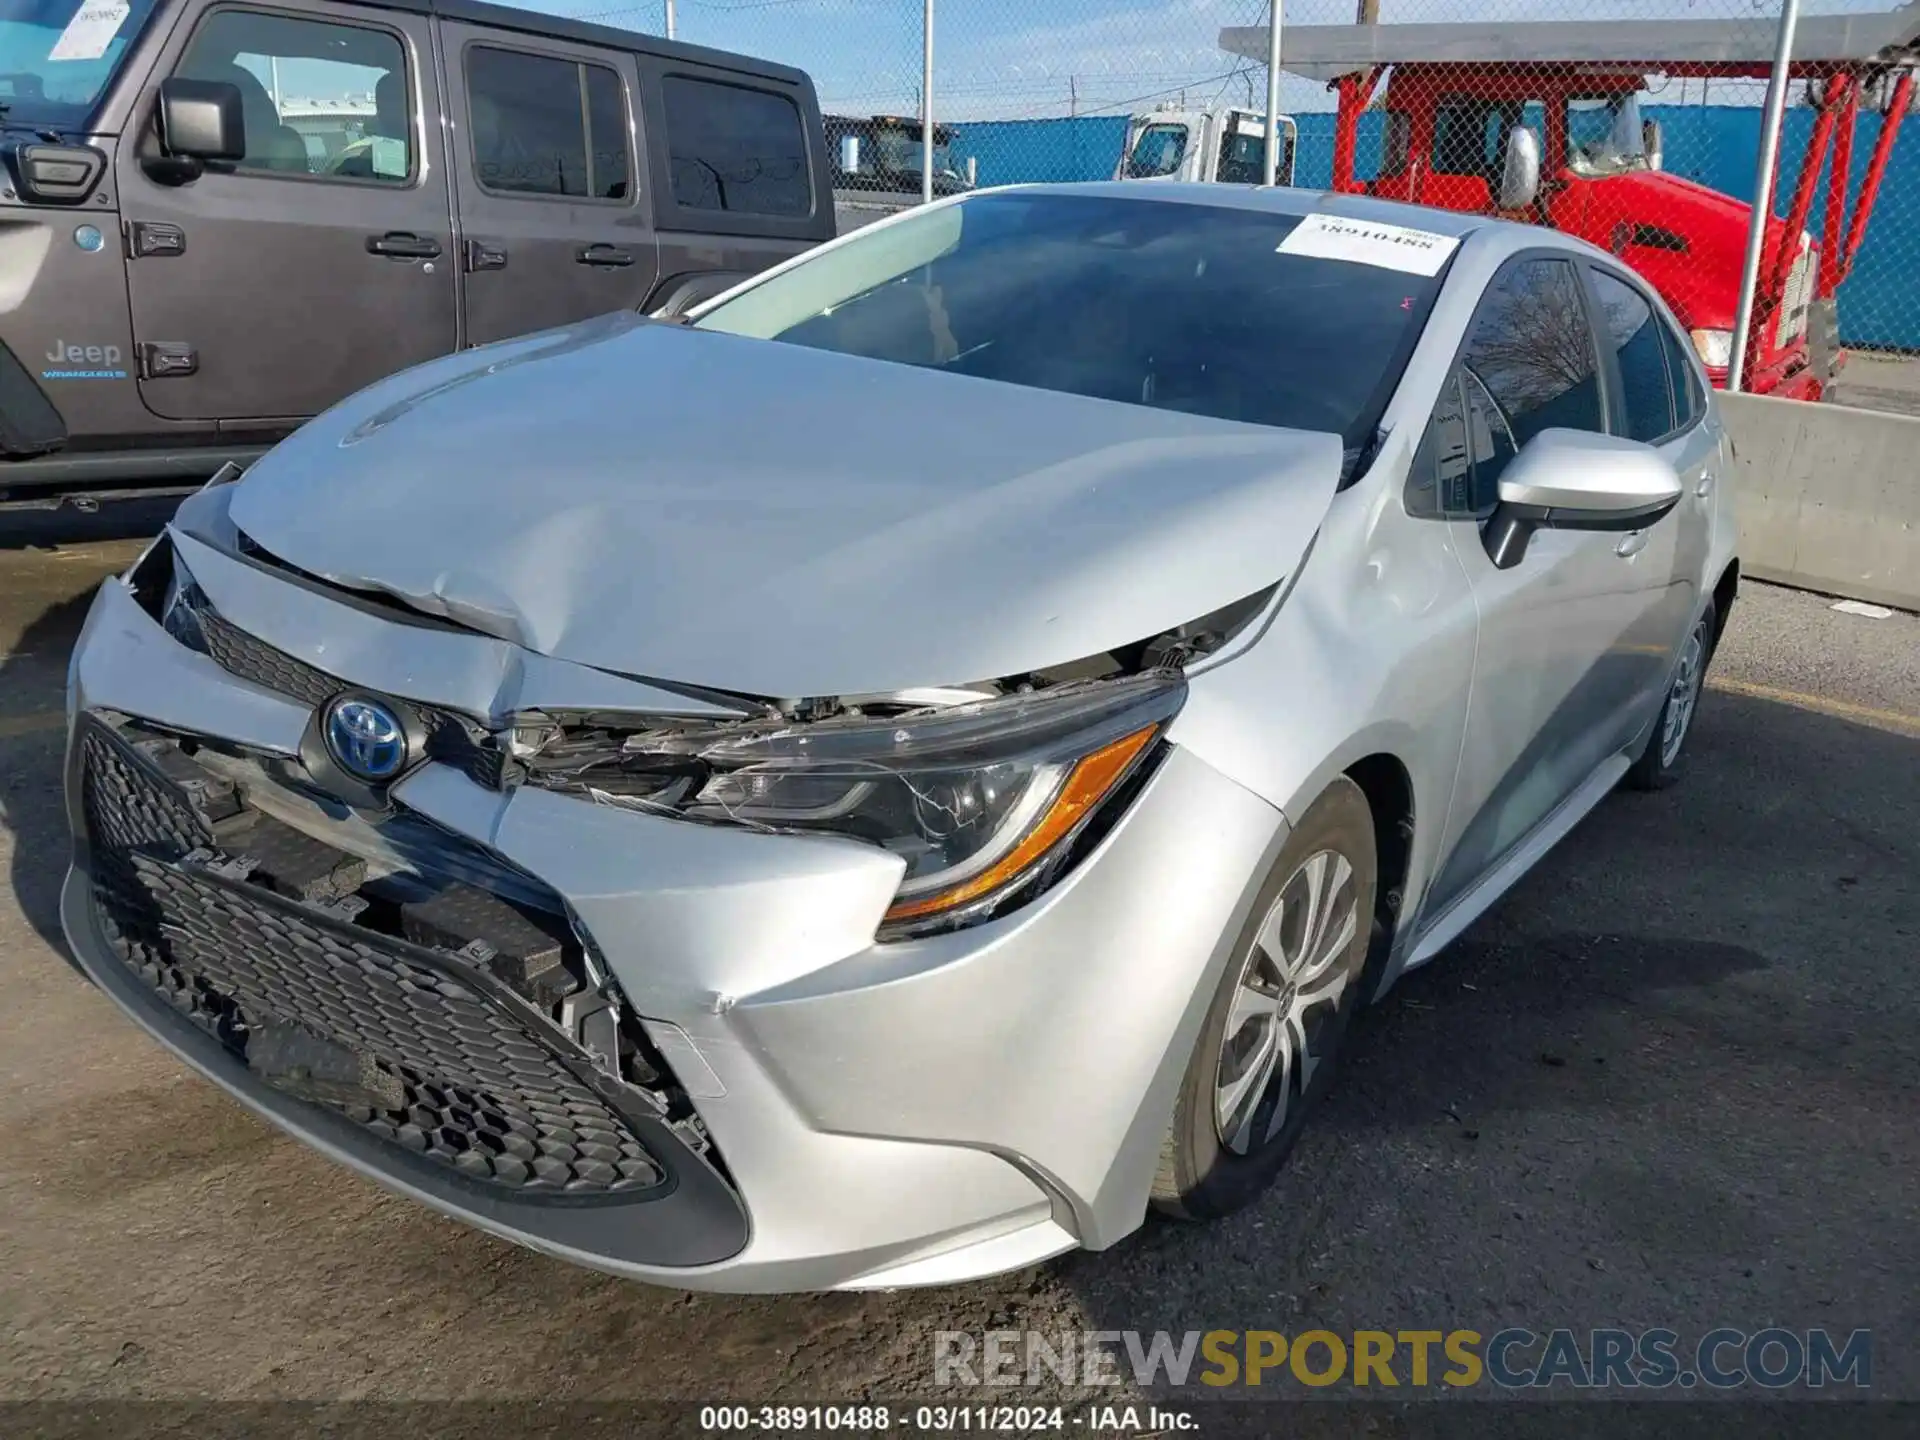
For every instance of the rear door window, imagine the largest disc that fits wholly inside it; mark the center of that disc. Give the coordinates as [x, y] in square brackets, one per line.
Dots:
[1643, 410]
[734, 148]
[546, 126]
[1687, 399]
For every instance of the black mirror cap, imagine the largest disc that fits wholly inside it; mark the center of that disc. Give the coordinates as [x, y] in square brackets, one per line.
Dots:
[202, 120]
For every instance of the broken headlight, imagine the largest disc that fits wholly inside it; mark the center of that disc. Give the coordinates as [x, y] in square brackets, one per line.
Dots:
[981, 800]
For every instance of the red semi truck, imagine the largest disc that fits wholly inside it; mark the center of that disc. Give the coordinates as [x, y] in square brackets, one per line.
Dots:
[1541, 122]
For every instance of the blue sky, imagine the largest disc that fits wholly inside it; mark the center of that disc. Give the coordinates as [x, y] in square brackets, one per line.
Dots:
[1008, 59]
[1002, 59]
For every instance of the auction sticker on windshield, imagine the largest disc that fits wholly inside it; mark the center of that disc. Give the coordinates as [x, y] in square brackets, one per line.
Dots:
[91, 31]
[1369, 242]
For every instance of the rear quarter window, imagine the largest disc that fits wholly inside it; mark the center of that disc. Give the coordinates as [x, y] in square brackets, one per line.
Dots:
[735, 148]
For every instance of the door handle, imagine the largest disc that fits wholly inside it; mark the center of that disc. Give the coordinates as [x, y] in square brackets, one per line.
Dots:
[482, 256]
[610, 255]
[403, 245]
[1704, 486]
[1631, 544]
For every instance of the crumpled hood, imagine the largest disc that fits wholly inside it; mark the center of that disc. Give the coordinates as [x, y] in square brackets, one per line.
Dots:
[765, 518]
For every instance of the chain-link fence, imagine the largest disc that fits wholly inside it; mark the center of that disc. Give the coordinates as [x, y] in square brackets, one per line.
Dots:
[1632, 123]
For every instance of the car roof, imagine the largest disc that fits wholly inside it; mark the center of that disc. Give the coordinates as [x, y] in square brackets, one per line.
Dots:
[1282, 200]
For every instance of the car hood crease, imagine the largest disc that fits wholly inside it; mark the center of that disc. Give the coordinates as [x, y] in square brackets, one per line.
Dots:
[775, 520]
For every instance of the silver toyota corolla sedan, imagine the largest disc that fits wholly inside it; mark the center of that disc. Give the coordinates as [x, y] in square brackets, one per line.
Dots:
[884, 782]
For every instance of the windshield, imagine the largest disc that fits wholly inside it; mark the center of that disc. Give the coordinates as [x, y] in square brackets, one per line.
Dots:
[56, 56]
[1158, 151]
[1604, 135]
[899, 150]
[1170, 305]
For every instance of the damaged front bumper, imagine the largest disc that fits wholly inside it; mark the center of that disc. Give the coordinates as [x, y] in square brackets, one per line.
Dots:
[679, 1053]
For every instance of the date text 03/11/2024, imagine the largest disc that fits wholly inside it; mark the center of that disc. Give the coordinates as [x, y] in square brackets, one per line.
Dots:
[944, 1419]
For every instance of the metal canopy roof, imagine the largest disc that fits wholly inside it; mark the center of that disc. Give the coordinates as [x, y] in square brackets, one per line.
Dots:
[1322, 52]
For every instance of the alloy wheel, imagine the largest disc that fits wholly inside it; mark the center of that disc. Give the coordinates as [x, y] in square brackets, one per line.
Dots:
[1684, 696]
[1289, 986]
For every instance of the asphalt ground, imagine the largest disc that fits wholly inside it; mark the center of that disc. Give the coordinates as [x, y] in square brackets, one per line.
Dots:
[1668, 1082]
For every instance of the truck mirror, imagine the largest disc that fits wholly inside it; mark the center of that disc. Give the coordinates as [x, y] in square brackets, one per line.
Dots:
[1653, 141]
[1520, 179]
[850, 154]
[202, 120]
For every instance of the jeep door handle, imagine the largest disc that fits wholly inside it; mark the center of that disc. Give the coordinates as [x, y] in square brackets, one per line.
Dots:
[403, 245]
[1631, 544]
[611, 255]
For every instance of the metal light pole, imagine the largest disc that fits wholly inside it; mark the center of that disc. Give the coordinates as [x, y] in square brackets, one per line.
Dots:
[926, 105]
[1762, 190]
[670, 24]
[1270, 166]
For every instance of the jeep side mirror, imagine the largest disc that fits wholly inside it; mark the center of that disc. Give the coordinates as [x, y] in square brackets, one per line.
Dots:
[1654, 142]
[1520, 179]
[202, 120]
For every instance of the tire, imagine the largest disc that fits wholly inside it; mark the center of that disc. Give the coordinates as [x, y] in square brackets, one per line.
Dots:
[1660, 764]
[1220, 1153]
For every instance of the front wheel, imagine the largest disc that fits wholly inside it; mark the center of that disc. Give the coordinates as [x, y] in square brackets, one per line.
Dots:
[1267, 1047]
[1659, 764]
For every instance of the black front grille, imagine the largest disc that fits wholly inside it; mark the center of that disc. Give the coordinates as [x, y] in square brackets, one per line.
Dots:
[451, 739]
[253, 659]
[424, 1048]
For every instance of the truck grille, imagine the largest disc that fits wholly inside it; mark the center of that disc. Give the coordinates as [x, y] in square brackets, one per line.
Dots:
[423, 1047]
[1792, 323]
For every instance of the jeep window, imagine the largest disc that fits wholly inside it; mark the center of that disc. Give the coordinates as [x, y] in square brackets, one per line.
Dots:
[56, 57]
[320, 99]
[1019, 289]
[544, 126]
[730, 147]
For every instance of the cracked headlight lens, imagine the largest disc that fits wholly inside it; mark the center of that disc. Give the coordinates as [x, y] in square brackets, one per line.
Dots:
[982, 801]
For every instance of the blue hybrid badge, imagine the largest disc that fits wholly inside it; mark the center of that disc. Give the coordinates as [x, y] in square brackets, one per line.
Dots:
[365, 738]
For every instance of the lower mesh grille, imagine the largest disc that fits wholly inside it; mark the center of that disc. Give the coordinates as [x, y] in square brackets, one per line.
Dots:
[420, 1048]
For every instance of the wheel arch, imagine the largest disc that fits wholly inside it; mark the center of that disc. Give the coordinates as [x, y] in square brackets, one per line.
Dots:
[1388, 786]
[1725, 589]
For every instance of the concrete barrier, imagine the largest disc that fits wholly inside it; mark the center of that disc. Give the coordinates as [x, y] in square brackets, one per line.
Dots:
[1829, 497]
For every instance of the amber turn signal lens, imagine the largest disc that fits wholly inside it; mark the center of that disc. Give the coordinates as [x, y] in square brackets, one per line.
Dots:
[1086, 786]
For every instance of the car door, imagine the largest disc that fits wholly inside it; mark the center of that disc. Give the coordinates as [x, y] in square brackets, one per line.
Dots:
[554, 225]
[1561, 661]
[273, 287]
[1651, 393]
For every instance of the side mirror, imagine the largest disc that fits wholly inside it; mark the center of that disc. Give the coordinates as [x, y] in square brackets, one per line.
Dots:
[202, 120]
[1578, 480]
[1520, 179]
[850, 154]
[1654, 141]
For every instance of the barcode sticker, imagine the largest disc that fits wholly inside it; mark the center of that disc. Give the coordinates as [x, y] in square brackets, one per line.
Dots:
[1369, 242]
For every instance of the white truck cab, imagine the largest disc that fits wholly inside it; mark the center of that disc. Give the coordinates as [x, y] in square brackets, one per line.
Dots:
[1225, 145]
